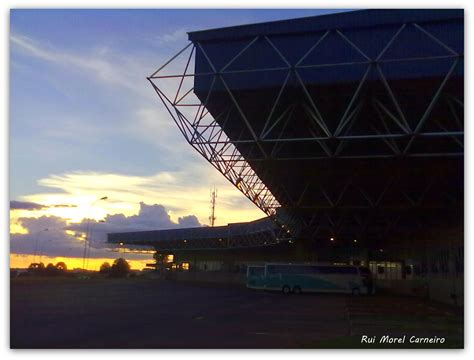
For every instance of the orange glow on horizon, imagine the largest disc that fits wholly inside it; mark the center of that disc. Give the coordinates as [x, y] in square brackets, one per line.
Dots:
[20, 261]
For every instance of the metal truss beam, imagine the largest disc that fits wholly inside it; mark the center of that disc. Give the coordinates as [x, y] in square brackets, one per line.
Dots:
[254, 234]
[388, 123]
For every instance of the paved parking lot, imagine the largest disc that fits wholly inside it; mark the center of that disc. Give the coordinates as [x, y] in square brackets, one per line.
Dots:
[133, 313]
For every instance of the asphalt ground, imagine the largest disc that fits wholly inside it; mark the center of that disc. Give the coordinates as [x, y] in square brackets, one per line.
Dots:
[136, 313]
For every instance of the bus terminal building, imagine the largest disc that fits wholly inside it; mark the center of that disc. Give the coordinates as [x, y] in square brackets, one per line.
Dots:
[346, 130]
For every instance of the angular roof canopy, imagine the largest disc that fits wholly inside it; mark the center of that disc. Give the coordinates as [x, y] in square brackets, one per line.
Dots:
[343, 20]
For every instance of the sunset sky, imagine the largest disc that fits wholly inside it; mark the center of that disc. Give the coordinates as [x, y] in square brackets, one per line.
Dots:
[84, 123]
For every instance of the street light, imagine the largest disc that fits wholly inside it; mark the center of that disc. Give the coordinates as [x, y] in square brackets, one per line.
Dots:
[40, 250]
[86, 242]
[36, 242]
[89, 242]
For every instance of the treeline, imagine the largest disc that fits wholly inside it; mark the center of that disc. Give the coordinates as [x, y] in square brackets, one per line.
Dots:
[119, 268]
[60, 269]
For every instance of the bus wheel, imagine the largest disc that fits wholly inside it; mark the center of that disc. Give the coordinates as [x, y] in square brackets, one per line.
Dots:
[286, 289]
[297, 290]
[356, 292]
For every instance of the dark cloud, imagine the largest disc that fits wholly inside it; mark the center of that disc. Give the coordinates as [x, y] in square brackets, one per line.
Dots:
[150, 217]
[56, 242]
[24, 205]
[188, 221]
[48, 232]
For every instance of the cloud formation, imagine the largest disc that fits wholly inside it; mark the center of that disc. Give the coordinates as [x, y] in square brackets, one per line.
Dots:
[181, 192]
[101, 65]
[178, 35]
[25, 205]
[158, 167]
[56, 237]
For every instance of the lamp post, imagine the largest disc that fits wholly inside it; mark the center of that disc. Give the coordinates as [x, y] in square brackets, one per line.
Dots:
[36, 242]
[89, 237]
[40, 250]
[86, 242]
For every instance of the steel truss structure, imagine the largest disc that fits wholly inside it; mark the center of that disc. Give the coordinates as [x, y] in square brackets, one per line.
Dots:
[259, 233]
[375, 122]
[206, 136]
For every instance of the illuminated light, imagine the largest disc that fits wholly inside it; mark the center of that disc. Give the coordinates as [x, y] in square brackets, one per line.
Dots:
[220, 239]
[355, 240]
[185, 241]
[121, 244]
[70, 233]
[185, 266]
[332, 239]
[381, 250]
[238, 183]
[287, 231]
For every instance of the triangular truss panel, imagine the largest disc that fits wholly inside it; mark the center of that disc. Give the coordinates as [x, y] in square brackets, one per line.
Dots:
[276, 112]
[188, 102]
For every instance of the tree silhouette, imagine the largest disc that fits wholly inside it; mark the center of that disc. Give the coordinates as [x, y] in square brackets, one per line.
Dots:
[61, 266]
[120, 268]
[105, 268]
[36, 268]
[50, 270]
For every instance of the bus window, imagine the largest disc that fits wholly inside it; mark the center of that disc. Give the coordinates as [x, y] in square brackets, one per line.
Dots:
[272, 269]
[282, 269]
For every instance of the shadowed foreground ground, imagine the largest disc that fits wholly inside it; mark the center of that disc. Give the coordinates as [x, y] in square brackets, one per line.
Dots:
[132, 313]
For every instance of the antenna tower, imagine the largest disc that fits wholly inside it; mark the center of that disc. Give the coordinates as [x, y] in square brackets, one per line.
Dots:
[212, 218]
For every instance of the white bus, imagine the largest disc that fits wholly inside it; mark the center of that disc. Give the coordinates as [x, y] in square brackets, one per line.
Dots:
[298, 278]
